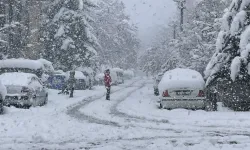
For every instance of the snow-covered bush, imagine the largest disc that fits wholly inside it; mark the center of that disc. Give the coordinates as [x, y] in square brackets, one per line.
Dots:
[233, 44]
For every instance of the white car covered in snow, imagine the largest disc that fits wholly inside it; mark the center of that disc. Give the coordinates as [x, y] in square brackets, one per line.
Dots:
[182, 88]
[128, 74]
[117, 76]
[23, 89]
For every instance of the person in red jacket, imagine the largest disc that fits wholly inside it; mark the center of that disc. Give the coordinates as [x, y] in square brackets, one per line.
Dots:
[107, 82]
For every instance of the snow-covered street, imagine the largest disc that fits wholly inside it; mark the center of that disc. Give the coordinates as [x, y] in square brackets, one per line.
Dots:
[131, 120]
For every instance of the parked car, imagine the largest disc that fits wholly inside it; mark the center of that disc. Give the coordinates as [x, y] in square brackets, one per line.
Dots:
[48, 69]
[81, 80]
[128, 74]
[117, 76]
[24, 89]
[22, 65]
[89, 74]
[3, 93]
[56, 81]
[182, 88]
[156, 83]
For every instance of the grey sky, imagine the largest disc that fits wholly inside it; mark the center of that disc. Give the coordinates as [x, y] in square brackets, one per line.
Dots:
[149, 14]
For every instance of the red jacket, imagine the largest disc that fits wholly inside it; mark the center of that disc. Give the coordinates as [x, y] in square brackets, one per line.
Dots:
[107, 80]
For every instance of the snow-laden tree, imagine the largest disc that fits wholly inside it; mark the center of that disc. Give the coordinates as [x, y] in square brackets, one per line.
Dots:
[150, 61]
[231, 59]
[162, 55]
[197, 42]
[67, 34]
[195, 45]
[116, 35]
[13, 30]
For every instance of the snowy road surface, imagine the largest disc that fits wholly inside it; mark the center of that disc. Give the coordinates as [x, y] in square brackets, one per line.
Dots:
[130, 121]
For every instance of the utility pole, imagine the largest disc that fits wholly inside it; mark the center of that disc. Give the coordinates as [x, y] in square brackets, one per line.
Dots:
[174, 31]
[181, 6]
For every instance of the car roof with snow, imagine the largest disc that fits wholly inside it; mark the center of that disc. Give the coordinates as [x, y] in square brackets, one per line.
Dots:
[21, 63]
[117, 70]
[48, 67]
[78, 75]
[181, 78]
[16, 78]
[85, 69]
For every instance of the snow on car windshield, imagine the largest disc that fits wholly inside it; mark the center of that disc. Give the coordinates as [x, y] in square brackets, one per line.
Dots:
[20, 79]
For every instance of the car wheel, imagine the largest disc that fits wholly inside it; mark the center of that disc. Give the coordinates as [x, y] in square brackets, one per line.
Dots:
[26, 106]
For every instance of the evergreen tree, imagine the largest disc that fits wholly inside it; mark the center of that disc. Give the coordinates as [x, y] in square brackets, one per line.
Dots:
[67, 34]
[231, 59]
[117, 37]
[12, 28]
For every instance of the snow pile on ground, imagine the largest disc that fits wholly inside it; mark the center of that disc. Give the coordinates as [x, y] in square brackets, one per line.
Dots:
[181, 78]
[21, 63]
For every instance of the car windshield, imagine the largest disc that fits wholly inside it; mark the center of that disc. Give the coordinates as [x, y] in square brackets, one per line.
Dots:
[124, 74]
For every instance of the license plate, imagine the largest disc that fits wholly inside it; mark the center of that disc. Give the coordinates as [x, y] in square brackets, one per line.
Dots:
[183, 93]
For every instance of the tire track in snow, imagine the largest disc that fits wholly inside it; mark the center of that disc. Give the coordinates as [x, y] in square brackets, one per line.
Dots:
[74, 111]
[114, 110]
[81, 144]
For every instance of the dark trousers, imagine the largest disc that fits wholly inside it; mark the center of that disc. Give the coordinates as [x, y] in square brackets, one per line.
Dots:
[108, 93]
[71, 92]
